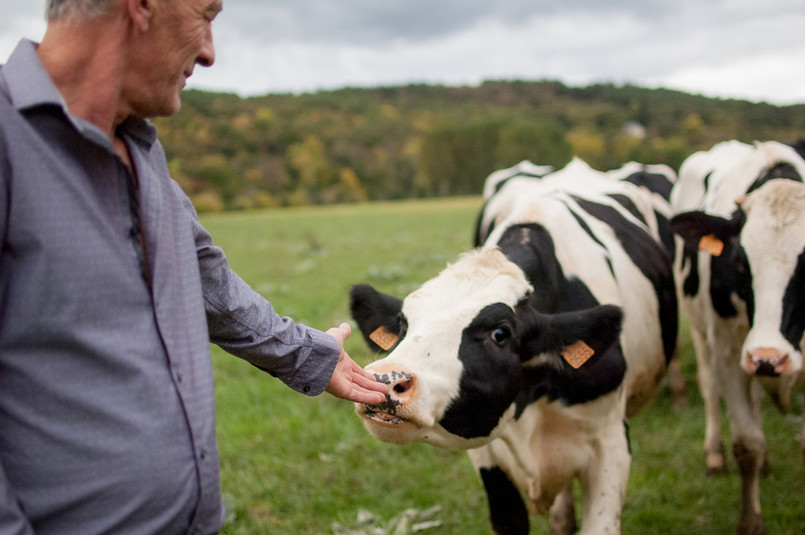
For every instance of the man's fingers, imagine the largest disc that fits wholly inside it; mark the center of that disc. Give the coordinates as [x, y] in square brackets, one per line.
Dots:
[368, 397]
[368, 381]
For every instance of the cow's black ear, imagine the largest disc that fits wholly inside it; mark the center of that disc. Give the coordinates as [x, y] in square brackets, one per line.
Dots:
[591, 331]
[693, 226]
[377, 316]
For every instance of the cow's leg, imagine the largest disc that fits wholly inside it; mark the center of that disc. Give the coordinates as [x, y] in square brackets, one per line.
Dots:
[507, 511]
[676, 382]
[562, 516]
[756, 397]
[707, 375]
[749, 447]
[603, 483]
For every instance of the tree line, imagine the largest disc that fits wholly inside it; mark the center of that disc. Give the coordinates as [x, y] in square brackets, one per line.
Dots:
[358, 144]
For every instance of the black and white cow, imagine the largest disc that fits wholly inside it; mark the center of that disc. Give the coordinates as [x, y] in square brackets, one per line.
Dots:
[531, 350]
[741, 278]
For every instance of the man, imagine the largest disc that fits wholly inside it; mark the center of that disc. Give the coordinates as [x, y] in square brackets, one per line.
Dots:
[110, 290]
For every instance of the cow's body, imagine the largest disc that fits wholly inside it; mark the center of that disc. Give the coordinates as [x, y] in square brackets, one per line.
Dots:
[479, 364]
[741, 297]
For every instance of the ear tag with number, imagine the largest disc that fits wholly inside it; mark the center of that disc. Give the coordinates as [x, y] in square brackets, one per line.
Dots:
[384, 338]
[711, 245]
[577, 354]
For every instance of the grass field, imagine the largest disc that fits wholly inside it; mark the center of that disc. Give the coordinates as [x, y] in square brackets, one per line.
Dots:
[295, 465]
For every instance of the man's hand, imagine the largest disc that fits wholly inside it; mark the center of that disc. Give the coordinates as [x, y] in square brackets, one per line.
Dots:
[350, 381]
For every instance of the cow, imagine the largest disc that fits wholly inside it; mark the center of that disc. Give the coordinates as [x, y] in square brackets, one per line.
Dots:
[532, 350]
[740, 271]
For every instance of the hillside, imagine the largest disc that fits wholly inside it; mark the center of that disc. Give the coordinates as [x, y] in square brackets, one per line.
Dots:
[351, 145]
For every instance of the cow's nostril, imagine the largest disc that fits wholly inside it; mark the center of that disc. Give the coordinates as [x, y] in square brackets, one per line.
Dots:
[401, 384]
[402, 387]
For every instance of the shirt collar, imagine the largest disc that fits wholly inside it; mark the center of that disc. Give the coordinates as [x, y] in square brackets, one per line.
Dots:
[30, 86]
[28, 82]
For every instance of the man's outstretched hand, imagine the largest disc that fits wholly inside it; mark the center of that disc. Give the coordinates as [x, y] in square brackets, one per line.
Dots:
[350, 381]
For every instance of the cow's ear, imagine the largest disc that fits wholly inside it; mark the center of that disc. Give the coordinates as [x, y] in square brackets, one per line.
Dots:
[708, 232]
[377, 316]
[576, 335]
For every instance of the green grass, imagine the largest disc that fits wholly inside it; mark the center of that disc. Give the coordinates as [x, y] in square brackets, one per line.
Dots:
[294, 465]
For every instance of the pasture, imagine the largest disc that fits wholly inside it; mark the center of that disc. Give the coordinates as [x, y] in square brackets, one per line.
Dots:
[295, 465]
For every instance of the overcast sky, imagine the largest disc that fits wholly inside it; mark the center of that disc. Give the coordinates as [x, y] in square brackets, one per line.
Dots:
[729, 48]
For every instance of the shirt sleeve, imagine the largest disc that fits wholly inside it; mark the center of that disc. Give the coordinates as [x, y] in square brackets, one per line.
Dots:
[5, 176]
[245, 324]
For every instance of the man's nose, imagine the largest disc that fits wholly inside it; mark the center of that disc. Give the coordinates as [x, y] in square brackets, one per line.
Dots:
[206, 56]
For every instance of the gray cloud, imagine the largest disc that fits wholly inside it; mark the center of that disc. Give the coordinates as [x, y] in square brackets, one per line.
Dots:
[733, 48]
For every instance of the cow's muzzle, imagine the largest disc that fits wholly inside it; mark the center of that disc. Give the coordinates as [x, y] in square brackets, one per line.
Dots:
[402, 389]
[766, 362]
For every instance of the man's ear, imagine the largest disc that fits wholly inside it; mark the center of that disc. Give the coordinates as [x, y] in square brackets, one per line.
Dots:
[141, 12]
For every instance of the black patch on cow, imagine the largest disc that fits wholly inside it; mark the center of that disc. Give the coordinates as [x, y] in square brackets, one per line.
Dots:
[507, 511]
[690, 286]
[666, 234]
[656, 182]
[371, 309]
[599, 327]
[793, 320]
[653, 261]
[491, 376]
[628, 435]
[530, 246]
[779, 170]
[729, 272]
[630, 207]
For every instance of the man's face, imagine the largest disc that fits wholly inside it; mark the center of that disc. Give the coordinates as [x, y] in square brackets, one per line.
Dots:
[179, 38]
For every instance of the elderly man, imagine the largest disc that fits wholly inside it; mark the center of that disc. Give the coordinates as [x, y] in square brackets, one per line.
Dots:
[110, 290]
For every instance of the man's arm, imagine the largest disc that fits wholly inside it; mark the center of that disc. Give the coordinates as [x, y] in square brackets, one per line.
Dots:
[244, 323]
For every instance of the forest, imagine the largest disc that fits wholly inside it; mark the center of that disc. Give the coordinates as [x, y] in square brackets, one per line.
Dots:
[419, 141]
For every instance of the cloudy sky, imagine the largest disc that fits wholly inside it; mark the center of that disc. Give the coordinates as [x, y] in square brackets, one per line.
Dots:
[729, 48]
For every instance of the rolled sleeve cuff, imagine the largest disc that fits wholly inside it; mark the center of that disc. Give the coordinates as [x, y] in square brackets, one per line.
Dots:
[314, 373]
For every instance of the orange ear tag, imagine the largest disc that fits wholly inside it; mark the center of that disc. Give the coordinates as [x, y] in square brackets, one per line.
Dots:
[577, 354]
[384, 338]
[711, 245]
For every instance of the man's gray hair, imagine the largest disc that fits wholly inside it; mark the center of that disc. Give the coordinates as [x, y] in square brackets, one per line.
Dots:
[76, 9]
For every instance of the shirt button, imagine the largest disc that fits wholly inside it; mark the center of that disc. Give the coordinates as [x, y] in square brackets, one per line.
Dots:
[178, 377]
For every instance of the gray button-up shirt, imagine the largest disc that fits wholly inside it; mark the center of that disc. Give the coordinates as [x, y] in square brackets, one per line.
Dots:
[106, 393]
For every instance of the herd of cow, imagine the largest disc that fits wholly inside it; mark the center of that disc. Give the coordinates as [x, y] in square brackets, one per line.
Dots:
[533, 350]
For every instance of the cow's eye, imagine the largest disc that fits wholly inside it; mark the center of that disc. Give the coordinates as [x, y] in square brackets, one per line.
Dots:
[501, 335]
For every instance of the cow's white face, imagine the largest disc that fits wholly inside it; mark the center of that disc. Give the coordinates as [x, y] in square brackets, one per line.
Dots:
[773, 239]
[468, 308]
[470, 340]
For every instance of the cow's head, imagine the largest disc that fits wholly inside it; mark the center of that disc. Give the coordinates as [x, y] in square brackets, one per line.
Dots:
[462, 348]
[760, 254]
